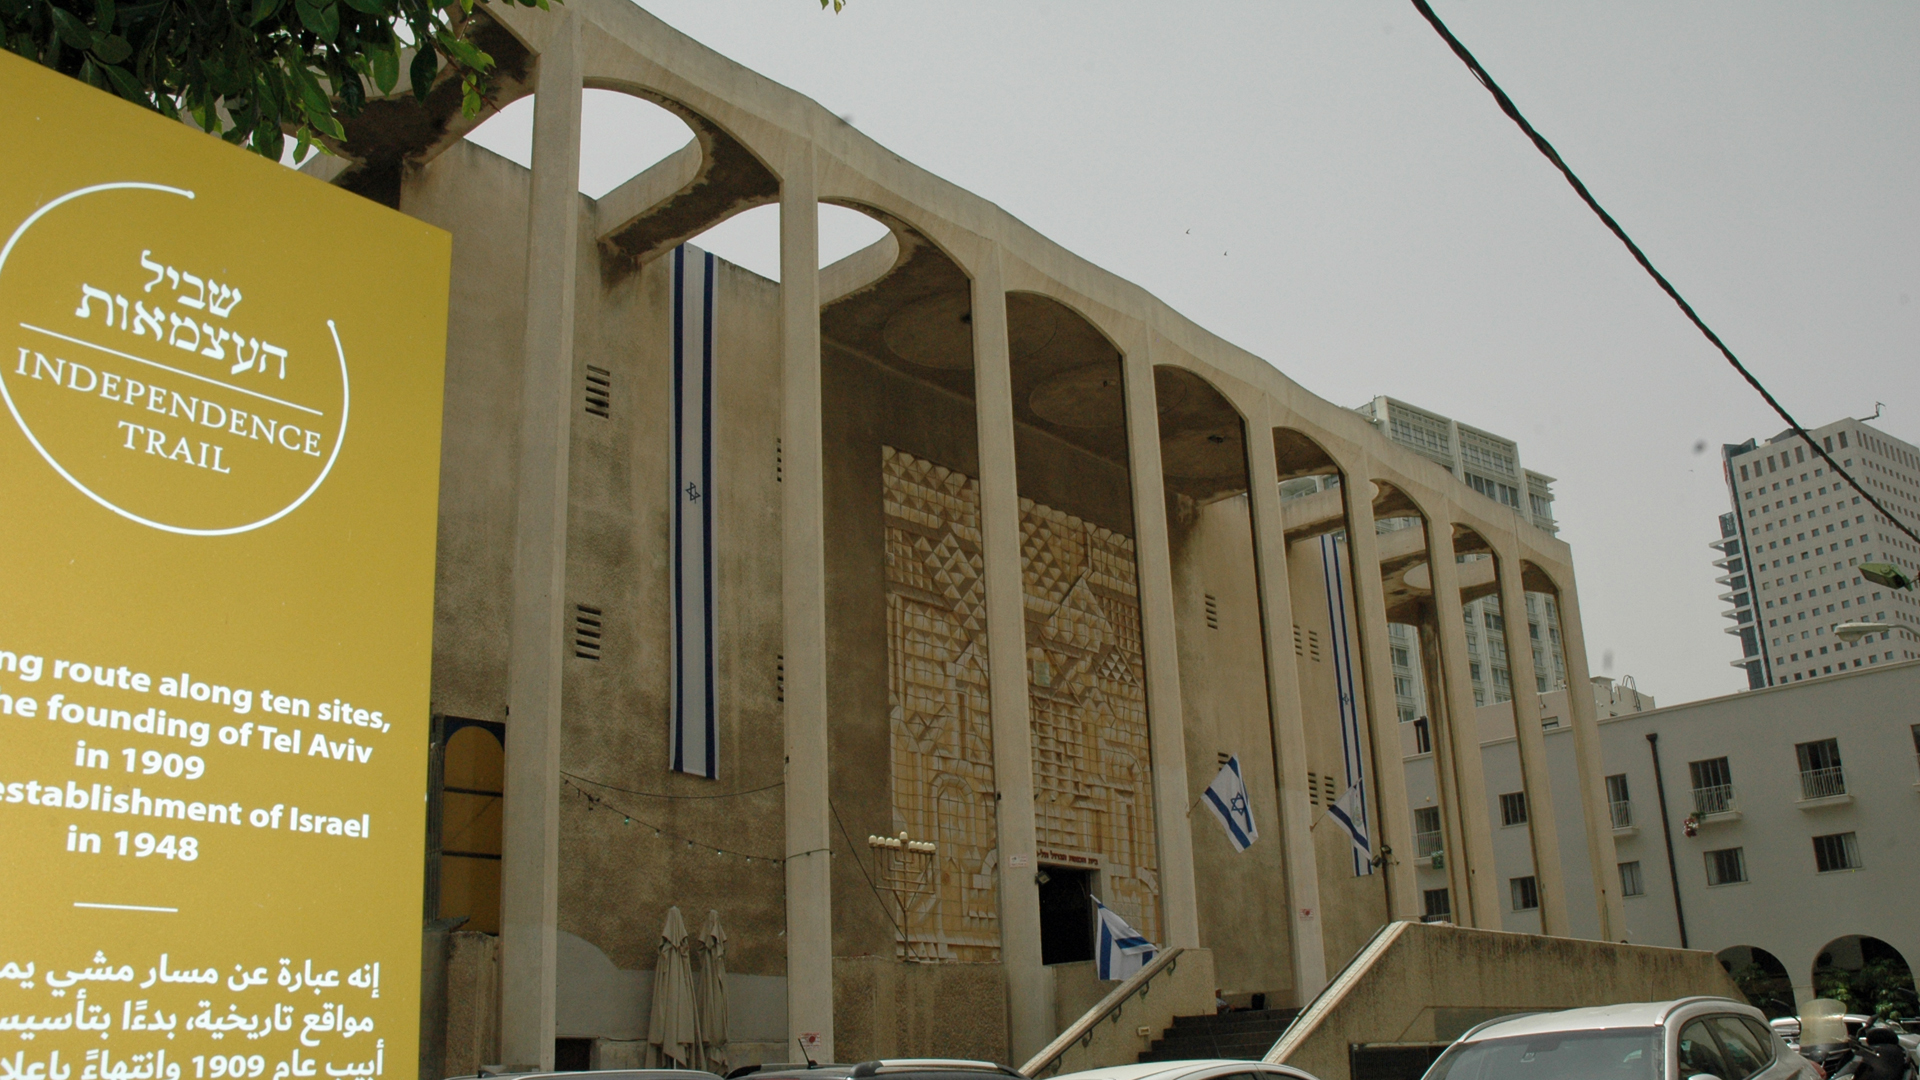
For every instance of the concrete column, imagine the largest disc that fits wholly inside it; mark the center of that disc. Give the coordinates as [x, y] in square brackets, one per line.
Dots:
[530, 829]
[1462, 731]
[1392, 819]
[1591, 764]
[803, 594]
[1452, 824]
[1543, 825]
[1284, 711]
[1165, 719]
[1029, 1003]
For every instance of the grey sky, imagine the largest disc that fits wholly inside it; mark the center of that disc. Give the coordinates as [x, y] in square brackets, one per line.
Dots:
[1325, 185]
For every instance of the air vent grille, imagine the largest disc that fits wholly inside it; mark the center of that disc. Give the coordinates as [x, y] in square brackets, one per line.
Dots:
[586, 632]
[1213, 612]
[599, 391]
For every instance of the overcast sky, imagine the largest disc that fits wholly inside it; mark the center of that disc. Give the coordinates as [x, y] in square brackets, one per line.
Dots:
[1325, 185]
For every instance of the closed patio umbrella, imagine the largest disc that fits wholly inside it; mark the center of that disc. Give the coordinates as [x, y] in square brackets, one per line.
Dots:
[673, 1033]
[713, 993]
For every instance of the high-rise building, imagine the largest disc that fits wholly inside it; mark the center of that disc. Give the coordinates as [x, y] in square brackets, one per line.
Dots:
[1791, 548]
[1490, 465]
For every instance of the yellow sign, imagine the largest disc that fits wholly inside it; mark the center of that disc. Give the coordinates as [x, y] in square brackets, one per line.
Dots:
[219, 468]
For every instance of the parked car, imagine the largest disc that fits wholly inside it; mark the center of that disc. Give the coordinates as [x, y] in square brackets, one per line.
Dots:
[1665, 1040]
[1788, 1027]
[596, 1074]
[1202, 1069]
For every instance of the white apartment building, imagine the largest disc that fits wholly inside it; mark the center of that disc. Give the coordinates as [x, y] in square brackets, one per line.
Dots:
[1790, 549]
[1490, 465]
[1772, 827]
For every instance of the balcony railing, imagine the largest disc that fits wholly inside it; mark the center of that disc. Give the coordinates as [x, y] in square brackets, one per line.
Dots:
[1717, 799]
[1622, 810]
[1823, 783]
[1425, 844]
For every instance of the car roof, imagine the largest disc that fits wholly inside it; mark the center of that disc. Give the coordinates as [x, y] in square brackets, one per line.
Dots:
[1635, 1014]
[1168, 1069]
[603, 1074]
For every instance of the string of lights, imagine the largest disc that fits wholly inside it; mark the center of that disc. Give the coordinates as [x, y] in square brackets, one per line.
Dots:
[1546, 149]
[658, 795]
[628, 817]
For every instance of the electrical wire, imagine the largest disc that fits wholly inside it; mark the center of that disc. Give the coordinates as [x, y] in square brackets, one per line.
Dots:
[863, 872]
[1546, 149]
[657, 795]
[594, 800]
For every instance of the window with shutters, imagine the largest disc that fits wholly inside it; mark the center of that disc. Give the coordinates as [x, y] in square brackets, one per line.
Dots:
[1513, 808]
[1525, 893]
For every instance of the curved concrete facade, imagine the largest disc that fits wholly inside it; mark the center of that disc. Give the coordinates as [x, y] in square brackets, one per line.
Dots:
[1057, 401]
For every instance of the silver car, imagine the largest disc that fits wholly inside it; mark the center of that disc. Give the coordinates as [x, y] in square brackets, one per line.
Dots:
[1699, 1038]
[1216, 1069]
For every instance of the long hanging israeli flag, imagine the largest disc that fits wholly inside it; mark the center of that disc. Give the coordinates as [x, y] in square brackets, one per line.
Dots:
[1227, 798]
[694, 734]
[1123, 950]
[1352, 804]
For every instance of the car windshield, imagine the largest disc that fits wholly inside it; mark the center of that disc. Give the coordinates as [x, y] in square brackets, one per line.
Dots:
[1622, 1054]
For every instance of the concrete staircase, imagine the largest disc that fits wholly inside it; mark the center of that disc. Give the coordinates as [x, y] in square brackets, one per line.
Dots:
[1244, 1036]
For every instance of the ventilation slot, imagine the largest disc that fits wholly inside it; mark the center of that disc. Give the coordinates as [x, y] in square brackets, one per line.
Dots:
[780, 678]
[1299, 645]
[1313, 645]
[586, 632]
[599, 391]
[1330, 796]
[1213, 612]
[1223, 756]
[779, 462]
[1313, 788]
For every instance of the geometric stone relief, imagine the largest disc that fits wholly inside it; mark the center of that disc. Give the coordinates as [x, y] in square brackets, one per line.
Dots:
[940, 725]
[1093, 791]
[1086, 683]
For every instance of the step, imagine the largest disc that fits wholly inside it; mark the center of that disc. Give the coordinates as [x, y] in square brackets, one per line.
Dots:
[1263, 1020]
[1247, 1045]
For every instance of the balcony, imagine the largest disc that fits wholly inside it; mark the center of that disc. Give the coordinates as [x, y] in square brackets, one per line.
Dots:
[1426, 844]
[1715, 800]
[1823, 787]
[1621, 811]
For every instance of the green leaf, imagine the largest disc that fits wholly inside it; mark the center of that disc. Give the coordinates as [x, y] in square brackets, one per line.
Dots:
[71, 30]
[370, 7]
[426, 64]
[111, 49]
[128, 86]
[264, 10]
[385, 61]
[320, 16]
[103, 15]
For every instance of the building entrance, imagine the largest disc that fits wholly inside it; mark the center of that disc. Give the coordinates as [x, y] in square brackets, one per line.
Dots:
[1066, 915]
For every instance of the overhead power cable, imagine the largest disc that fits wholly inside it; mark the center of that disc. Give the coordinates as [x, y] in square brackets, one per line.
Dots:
[1541, 144]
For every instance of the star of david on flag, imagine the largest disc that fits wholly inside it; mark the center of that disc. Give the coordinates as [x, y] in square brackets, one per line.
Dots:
[1227, 798]
[1123, 950]
[1350, 810]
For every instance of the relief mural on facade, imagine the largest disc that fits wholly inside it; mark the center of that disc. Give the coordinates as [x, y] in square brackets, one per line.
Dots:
[1091, 762]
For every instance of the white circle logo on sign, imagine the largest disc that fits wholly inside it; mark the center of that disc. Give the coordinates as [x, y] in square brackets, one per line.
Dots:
[176, 379]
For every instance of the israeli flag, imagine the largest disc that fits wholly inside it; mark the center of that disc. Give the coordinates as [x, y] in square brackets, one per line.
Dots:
[1350, 810]
[1123, 950]
[1227, 798]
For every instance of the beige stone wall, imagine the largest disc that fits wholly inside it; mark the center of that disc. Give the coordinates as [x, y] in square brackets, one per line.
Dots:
[1438, 980]
[882, 1009]
[1223, 689]
[1352, 906]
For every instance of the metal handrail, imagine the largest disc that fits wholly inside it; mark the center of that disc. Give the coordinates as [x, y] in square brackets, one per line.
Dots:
[1109, 1007]
[1717, 799]
[1622, 812]
[1335, 992]
[1823, 783]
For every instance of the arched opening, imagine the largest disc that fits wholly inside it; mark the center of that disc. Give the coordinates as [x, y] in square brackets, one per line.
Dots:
[1335, 698]
[1761, 977]
[751, 239]
[1436, 776]
[1225, 706]
[1867, 975]
[621, 136]
[472, 774]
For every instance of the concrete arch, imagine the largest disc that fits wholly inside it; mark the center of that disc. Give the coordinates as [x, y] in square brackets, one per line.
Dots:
[1867, 973]
[714, 177]
[1203, 436]
[1761, 977]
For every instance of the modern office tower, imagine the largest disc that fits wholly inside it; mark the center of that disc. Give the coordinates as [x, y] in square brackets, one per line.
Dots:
[1490, 465]
[1791, 548]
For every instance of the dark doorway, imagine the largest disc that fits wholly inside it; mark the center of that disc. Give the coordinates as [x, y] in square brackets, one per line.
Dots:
[1066, 915]
[572, 1055]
